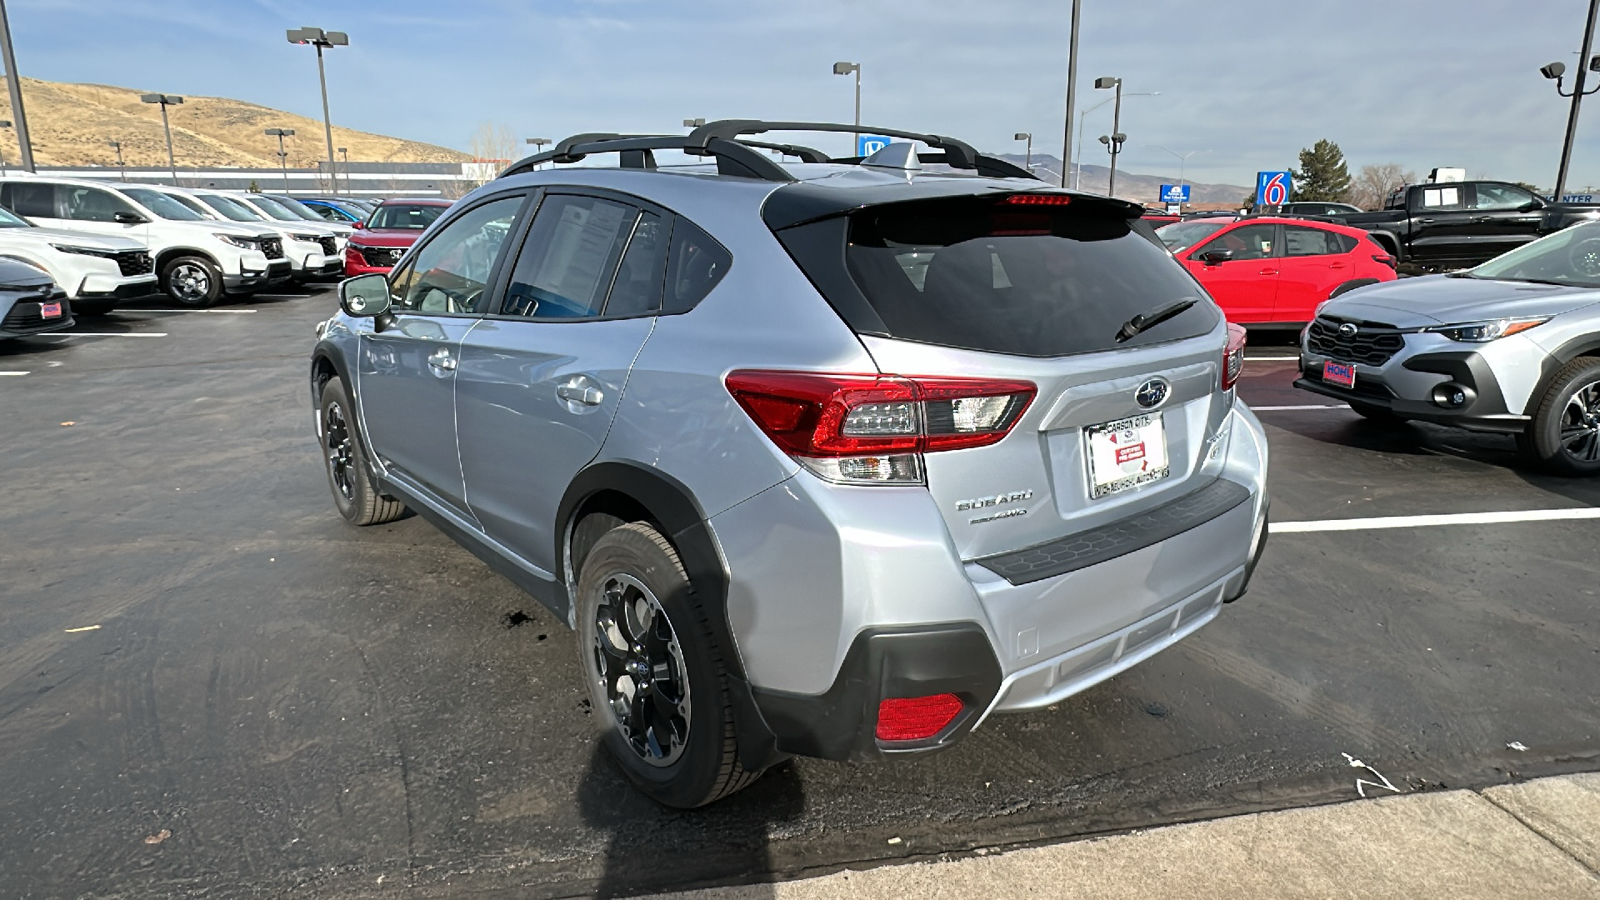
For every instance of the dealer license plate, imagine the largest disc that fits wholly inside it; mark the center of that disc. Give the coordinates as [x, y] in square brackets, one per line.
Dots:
[1339, 374]
[1126, 453]
[49, 310]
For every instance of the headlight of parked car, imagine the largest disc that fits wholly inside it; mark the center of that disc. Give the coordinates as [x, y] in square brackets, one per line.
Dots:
[243, 243]
[308, 238]
[1483, 332]
[85, 251]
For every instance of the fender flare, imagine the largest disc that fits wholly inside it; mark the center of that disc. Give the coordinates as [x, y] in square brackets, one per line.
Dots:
[1583, 345]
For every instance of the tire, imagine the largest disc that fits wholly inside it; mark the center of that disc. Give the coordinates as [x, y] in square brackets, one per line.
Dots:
[1376, 414]
[355, 495]
[192, 281]
[93, 307]
[1349, 286]
[673, 735]
[1564, 436]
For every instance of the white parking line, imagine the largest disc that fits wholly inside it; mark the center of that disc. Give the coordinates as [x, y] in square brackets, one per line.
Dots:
[1483, 518]
[12, 373]
[236, 312]
[105, 334]
[1306, 406]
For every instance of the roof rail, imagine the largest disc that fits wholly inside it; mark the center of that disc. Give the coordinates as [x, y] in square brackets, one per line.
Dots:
[724, 140]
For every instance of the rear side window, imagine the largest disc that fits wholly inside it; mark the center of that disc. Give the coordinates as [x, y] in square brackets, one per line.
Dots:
[569, 258]
[1298, 241]
[697, 262]
[30, 199]
[637, 288]
[976, 273]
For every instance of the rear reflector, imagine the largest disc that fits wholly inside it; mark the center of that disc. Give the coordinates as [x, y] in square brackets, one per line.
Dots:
[916, 718]
[1039, 199]
[1233, 356]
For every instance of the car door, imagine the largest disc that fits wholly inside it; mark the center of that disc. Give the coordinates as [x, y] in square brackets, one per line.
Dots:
[406, 370]
[1314, 263]
[1505, 216]
[77, 208]
[1442, 228]
[541, 380]
[1245, 286]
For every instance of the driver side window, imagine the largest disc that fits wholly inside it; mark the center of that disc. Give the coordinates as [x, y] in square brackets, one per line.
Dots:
[1248, 242]
[451, 271]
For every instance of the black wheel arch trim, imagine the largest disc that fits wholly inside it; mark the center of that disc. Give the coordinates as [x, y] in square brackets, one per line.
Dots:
[1584, 345]
[674, 509]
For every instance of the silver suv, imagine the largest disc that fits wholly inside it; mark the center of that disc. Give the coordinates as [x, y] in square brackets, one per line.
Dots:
[834, 457]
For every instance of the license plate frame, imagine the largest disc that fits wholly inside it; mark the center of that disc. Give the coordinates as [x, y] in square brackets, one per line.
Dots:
[1112, 449]
[1338, 374]
[51, 310]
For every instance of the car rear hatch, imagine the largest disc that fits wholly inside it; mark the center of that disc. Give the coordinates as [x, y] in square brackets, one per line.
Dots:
[1023, 296]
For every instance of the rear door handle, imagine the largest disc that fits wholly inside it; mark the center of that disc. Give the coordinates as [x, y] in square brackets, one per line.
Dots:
[1424, 221]
[581, 390]
[442, 360]
[1269, 271]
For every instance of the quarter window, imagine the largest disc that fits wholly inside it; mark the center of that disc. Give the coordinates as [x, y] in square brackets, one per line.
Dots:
[453, 269]
[569, 259]
[697, 263]
[37, 200]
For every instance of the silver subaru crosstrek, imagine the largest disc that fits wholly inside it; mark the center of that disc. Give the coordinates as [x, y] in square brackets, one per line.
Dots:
[828, 457]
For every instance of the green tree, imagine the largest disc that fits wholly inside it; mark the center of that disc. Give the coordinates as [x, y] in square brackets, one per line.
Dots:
[254, 188]
[1323, 175]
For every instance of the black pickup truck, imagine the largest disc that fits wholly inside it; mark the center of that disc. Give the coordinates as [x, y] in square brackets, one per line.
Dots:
[1457, 224]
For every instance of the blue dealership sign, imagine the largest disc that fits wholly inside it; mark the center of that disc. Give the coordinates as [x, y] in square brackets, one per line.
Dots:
[1174, 193]
[1272, 188]
[868, 144]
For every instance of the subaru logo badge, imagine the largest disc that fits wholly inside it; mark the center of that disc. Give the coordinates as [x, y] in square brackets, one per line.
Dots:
[1348, 330]
[1152, 393]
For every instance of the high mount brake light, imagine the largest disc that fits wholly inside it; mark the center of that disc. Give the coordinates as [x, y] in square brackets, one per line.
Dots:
[1038, 200]
[873, 429]
[1233, 356]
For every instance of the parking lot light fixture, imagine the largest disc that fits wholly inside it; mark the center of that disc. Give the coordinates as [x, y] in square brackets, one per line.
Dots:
[693, 123]
[283, 155]
[1110, 83]
[320, 39]
[1027, 154]
[1077, 174]
[117, 146]
[344, 157]
[4, 123]
[164, 101]
[539, 144]
[846, 68]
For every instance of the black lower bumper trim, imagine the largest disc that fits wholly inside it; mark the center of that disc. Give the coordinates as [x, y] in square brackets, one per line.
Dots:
[1425, 411]
[1098, 545]
[841, 722]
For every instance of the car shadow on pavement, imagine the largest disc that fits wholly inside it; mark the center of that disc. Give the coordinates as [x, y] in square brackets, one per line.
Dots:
[655, 849]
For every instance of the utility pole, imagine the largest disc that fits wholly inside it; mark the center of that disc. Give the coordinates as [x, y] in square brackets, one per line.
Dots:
[845, 68]
[344, 157]
[318, 38]
[1072, 93]
[14, 87]
[283, 155]
[1027, 156]
[4, 123]
[1117, 137]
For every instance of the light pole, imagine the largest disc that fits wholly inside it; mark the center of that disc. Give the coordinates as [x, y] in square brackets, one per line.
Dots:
[344, 157]
[1113, 142]
[1117, 137]
[1554, 71]
[117, 146]
[4, 123]
[1072, 97]
[1027, 156]
[1183, 160]
[845, 68]
[283, 155]
[1077, 172]
[166, 100]
[538, 144]
[318, 38]
[14, 87]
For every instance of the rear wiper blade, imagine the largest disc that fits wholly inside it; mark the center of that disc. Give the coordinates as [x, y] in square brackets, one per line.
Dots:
[1146, 321]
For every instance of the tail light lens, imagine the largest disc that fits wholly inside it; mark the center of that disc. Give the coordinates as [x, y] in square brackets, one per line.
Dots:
[873, 429]
[1386, 259]
[1233, 356]
[916, 718]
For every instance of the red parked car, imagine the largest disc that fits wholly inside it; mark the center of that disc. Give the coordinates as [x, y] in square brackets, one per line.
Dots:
[1268, 271]
[380, 240]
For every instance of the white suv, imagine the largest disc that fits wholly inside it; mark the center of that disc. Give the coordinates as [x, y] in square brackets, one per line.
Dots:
[312, 250]
[196, 259]
[283, 216]
[95, 272]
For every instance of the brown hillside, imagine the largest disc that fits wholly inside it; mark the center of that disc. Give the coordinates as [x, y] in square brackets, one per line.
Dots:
[71, 123]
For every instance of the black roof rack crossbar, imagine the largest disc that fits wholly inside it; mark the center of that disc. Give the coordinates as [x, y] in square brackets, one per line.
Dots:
[806, 154]
[733, 157]
[961, 154]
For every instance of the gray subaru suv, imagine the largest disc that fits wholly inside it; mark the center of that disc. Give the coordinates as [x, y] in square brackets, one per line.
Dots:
[823, 457]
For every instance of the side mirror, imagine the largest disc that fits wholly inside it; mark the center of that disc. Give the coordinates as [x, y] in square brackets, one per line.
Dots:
[1531, 205]
[359, 224]
[1216, 257]
[128, 218]
[364, 296]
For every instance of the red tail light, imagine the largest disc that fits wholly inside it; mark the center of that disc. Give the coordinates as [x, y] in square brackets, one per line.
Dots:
[1386, 259]
[877, 426]
[916, 718]
[1233, 356]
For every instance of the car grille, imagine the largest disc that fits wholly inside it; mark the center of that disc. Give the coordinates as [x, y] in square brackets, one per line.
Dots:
[272, 248]
[382, 256]
[329, 246]
[135, 262]
[27, 315]
[1372, 344]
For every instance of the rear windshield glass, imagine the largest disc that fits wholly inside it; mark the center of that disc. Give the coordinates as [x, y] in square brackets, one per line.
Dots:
[979, 274]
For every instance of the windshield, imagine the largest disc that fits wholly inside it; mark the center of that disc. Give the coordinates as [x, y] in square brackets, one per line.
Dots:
[408, 216]
[1183, 235]
[231, 208]
[272, 209]
[300, 210]
[9, 219]
[190, 202]
[1570, 257]
[163, 205]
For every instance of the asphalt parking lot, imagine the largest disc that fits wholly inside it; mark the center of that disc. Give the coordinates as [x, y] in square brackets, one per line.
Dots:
[210, 685]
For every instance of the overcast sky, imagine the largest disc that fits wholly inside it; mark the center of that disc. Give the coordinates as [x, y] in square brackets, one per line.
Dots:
[1423, 84]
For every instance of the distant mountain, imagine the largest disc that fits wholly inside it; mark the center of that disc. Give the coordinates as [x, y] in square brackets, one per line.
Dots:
[71, 123]
[1131, 186]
